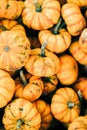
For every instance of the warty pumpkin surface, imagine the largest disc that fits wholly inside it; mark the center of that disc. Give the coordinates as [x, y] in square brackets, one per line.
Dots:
[14, 50]
[65, 105]
[21, 114]
[40, 14]
[7, 88]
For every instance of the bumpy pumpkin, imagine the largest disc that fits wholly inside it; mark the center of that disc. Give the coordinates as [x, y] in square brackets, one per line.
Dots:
[79, 123]
[73, 18]
[40, 14]
[65, 105]
[14, 50]
[78, 53]
[78, 2]
[28, 87]
[50, 84]
[11, 9]
[21, 114]
[45, 111]
[58, 40]
[83, 40]
[68, 72]
[7, 88]
[42, 62]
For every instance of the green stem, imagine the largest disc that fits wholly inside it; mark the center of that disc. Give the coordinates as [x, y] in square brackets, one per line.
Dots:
[38, 7]
[19, 123]
[55, 30]
[43, 49]
[23, 78]
[3, 28]
[71, 104]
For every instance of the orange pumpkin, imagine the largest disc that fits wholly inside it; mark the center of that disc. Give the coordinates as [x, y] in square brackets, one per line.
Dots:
[42, 62]
[45, 111]
[65, 105]
[76, 51]
[68, 72]
[73, 18]
[58, 40]
[28, 87]
[12, 7]
[14, 50]
[83, 40]
[78, 2]
[7, 88]
[37, 12]
[21, 114]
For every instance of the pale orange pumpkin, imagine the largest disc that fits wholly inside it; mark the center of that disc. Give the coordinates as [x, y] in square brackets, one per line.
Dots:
[21, 114]
[68, 72]
[28, 87]
[14, 50]
[73, 18]
[45, 111]
[80, 3]
[40, 14]
[11, 9]
[65, 105]
[7, 88]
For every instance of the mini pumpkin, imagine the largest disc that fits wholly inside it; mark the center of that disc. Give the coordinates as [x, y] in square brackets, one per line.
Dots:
[65, 105]
[12, 7]
[14, 50]
[37, 12]
[7, 88]
[80, 3]
[45, 110]
[42, 62]
[68, 72]
[28, 86]
[73, 18]
[21, 114]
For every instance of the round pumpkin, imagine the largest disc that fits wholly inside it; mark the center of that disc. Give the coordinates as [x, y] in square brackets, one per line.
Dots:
[45, 111]
[21, 114]
[14, 50]
[40, 14]
[65, 105]
[73, 18]
[11, 9]
[28, 87]
[80, 3]
[7, 88]
[68, 72]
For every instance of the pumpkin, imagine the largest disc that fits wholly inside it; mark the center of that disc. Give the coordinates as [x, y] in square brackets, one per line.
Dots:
[79, 55]
[50, 84]
[81, 85]
[80, 123]
[42, 62]
[14, 8]
[73, 18]
[37, 12]
[14, 50]
[83, 40]
[45, 110]
[7, 88]
[28, 87]
[21, 114]
[78, 2]
[65, 105]
[68, 72]
[58, 40]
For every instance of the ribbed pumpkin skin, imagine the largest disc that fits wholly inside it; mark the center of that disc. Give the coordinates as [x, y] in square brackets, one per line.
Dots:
[7, 88]
[14, 51]
[57, 43]
[21, 114]
[73, 18]
[60, 105]
[78, 2]
[42, 66]
[12, 7]
[36, 13]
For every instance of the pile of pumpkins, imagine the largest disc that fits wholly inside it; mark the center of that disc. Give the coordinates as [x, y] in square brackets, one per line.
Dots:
[43, 64]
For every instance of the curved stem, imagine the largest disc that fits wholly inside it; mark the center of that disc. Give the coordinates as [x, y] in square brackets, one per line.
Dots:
[43, 49]
[19, 123]
[23, 77]
[38, 7]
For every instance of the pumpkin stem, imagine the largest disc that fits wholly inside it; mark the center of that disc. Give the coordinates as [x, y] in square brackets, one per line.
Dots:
[42, 54]
[19, 123]
[3, 28]
[38, 7]
[71, 104]
[23, 78]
